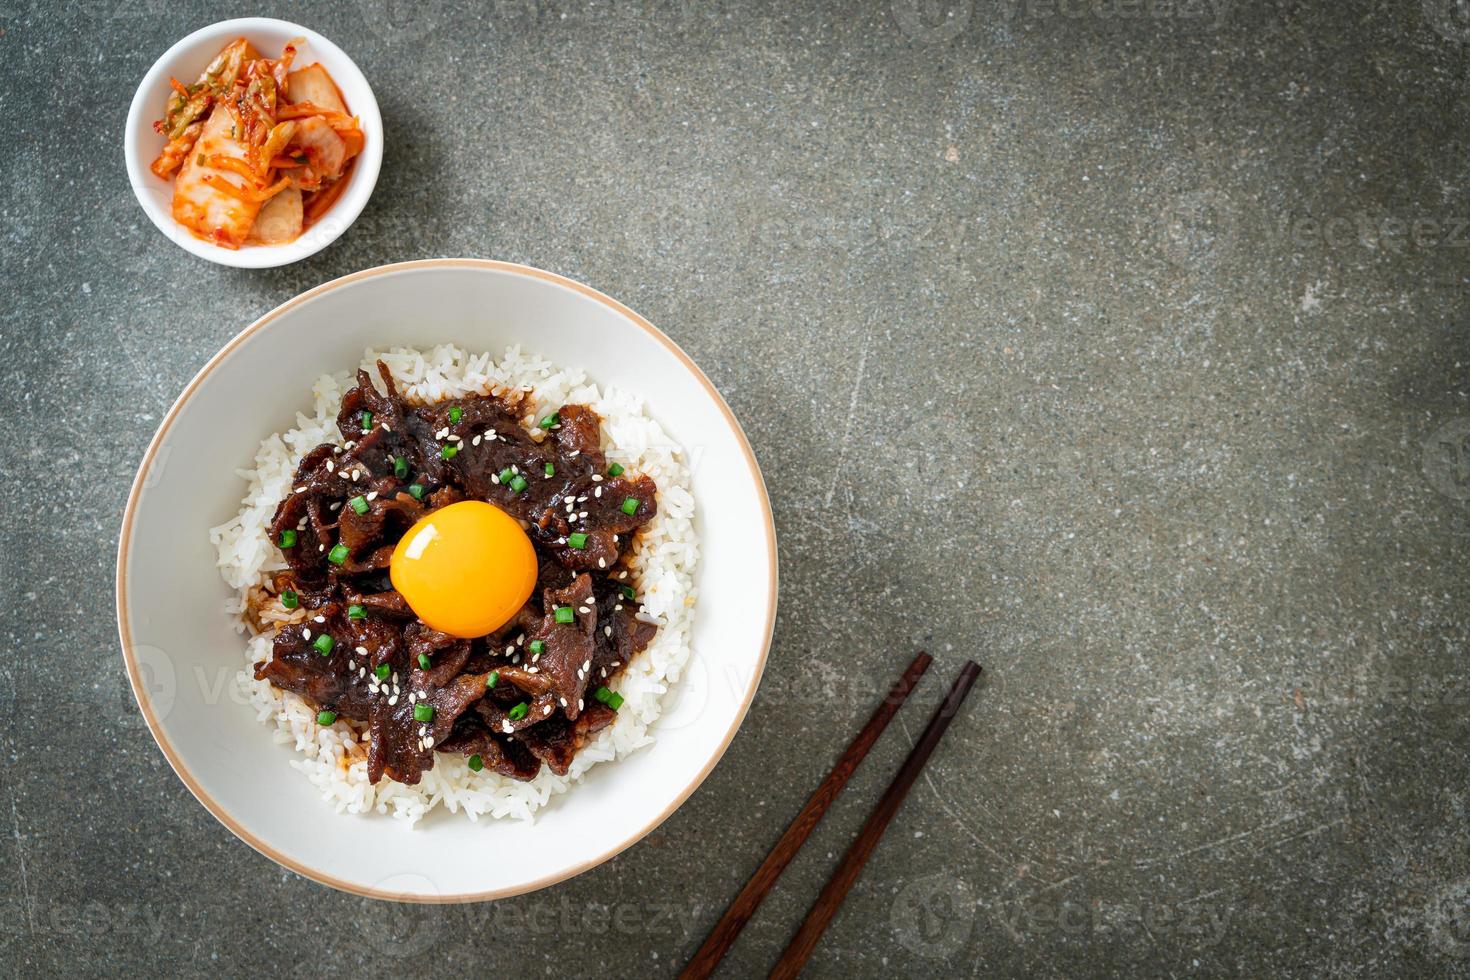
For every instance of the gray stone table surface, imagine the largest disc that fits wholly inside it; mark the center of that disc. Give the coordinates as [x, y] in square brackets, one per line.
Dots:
[1122, 347]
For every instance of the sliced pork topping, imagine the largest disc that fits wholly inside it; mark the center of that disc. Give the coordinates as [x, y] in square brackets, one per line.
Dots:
[535, 689]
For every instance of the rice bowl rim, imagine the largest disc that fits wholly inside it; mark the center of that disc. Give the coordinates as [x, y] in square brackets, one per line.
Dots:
[125, 542]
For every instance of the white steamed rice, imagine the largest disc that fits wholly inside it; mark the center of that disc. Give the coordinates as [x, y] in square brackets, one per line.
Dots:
[330, 756]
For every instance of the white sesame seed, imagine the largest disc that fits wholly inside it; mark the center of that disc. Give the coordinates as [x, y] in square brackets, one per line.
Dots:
[442, 433]
[494, 478]
[521, 638]
[587, 665]
[597, 492]
[300, 489]
[510, 650]
[357, 474]
[602, 563]
[579, 704]
[563, 702]
[320, 619]
[336, 506]
[373, 495]
[582, 515]
[596, 479]
[331, 466]
[505, 724]
[546, 710]
[475, 441]
[583, 610]
[607, 631]
[582, 499]
[362, 651]
[393, 700]
[321, 547]
[305, 633]
[532, 670]
[429, 742]
[386, 427]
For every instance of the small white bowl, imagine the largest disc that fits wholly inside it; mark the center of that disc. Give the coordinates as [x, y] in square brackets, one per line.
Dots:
[182, 652]
[184, 61]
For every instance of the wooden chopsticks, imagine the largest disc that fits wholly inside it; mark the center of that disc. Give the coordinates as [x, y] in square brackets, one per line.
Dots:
[800, 949]
[723, 934]
[825, 907]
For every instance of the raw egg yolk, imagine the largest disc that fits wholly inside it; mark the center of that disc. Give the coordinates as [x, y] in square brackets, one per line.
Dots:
[465, 569]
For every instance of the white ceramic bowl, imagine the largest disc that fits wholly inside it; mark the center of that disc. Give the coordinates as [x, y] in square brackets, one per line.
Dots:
[184, 61]
[180, 648]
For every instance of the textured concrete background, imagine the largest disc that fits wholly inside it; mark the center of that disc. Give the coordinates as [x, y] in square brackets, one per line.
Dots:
[1123, 348]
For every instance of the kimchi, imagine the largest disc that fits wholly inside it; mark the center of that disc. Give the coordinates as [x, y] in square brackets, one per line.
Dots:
[257, 151]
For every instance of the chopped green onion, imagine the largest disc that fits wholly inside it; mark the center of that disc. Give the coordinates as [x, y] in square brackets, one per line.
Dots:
[288, 538]
[367, 421]
[476, 763]
[628, 592]
[610, 698]
[455, 414]
[615, 469]
[549, 421]
[325, 717]
[290, 599]
[564, 614]
[505, 475]
[630, 506]
[416, 491]
[324, 644]
[381, 671]
[578, 540]
[359, 504]
[449, 452]
[338, 554]
[400, 467]
[518, 712]
[423, 711]
[538, 646]
[355, 611]
[493, 679]
[424, 661]
[551, 469]
[518, 483]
